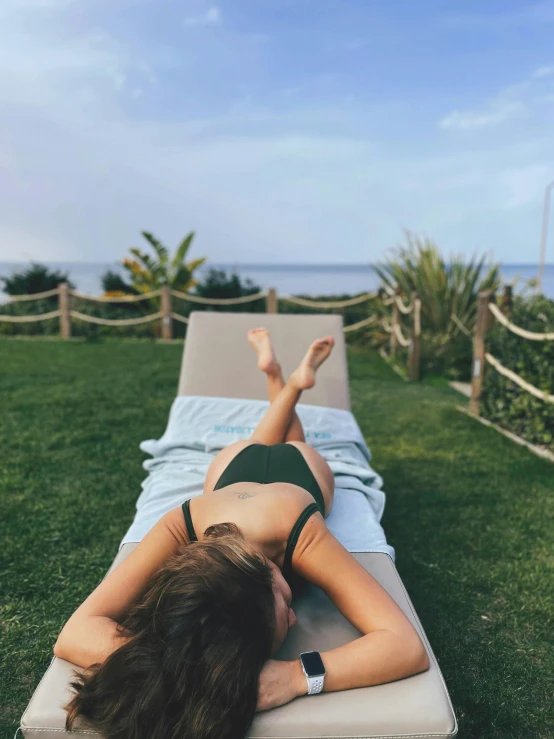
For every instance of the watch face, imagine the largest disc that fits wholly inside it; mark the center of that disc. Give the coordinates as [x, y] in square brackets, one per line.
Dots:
[313, 664]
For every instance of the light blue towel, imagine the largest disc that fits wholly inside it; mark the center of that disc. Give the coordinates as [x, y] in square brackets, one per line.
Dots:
[199, 427]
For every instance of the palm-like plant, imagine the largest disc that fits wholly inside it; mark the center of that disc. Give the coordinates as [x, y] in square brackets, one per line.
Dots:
[446, 288]
[149, 273]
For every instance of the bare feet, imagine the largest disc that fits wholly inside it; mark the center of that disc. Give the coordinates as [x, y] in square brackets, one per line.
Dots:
[304, 374]
[259, 340]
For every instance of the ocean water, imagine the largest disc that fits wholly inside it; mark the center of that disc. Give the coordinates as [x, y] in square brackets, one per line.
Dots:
[307, 279]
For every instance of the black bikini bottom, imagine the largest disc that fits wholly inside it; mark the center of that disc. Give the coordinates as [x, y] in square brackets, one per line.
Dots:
[272, 463]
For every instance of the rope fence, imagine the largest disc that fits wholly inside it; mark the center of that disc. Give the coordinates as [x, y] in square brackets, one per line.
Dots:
[179, 317]
[115, 321]
[360, 324]
[116, 299]
[394, 329]
[219, 301]
[33, 296]
[499, 367]
[531, 335]
[400, 337]
[488, 312]
[166, 315]
[328, 303]
[31, 319]
[406, 309]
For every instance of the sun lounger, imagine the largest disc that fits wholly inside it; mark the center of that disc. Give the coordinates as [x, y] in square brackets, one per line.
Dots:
[418, 706]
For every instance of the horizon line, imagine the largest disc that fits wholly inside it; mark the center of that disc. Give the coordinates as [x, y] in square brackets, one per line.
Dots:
[251, 264]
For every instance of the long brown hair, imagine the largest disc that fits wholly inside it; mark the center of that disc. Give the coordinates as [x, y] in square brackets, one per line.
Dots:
[201, 635]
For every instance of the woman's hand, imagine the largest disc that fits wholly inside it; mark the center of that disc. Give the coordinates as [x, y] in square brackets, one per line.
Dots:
[280, 682]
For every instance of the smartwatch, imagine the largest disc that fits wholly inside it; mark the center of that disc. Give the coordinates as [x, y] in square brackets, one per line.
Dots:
[314, 669]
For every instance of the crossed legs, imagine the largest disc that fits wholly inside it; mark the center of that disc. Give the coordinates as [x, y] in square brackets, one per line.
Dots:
[281, 422]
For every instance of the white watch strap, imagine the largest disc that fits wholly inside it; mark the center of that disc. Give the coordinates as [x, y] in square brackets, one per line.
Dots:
[315, 684]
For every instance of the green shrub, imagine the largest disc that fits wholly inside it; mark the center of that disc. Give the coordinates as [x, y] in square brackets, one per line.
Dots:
[217, 283]
[113, 311]
[214, 284]
[445, 287]
[35, 279]
[149, 272]
[112, 282]
[50, 327]
[503, 401]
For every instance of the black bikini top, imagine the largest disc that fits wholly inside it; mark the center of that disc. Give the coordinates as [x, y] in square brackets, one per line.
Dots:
[291, 541]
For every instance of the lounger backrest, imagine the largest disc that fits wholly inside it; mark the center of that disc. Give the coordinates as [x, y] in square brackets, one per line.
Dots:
[218, 361]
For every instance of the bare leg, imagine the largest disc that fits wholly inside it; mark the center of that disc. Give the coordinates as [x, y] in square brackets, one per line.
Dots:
[260, 341]
[295, 431]
[275, 424]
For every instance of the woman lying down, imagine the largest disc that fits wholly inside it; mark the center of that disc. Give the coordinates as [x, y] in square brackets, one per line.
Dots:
[178, 639]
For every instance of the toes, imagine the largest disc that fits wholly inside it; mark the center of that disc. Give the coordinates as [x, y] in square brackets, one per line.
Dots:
[257, 333]
[328, 341]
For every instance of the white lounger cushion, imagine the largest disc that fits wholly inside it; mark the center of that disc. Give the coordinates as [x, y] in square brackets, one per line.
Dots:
[413, 708]
[418, 706]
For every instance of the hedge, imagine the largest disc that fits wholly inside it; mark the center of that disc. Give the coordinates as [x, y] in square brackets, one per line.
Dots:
[504, 402]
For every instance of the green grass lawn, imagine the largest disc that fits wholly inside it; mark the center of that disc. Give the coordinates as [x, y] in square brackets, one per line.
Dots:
[470, 515]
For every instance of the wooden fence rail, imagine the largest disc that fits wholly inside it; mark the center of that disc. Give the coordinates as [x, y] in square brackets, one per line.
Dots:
[394, 329]
[167, 316]
[488, 313]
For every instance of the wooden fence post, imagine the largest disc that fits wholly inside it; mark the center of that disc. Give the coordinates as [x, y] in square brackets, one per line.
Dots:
[415, 347]
[63, 306]
[395, 322]
[482, 325]
[507, 300]
[271, 300]
[167, 327]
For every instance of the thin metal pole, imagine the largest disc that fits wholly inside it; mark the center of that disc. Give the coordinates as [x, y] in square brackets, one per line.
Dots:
[544, 236]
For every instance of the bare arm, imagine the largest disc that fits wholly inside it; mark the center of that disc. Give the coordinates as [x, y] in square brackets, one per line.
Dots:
[92, 633]
[389, 648]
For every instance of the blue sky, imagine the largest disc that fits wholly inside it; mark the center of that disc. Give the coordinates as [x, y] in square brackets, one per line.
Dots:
[280, 130]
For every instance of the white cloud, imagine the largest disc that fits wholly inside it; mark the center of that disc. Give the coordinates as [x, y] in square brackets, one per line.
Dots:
[81, 172]
[496, 114]
[521, 100]
[543, 72]
[211, 17]
[36, 67]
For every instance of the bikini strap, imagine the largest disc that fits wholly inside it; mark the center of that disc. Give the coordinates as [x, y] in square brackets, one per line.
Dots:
[295, 535]
[188, 521]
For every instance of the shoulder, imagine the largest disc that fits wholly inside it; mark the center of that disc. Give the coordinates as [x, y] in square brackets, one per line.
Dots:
[172, 524]
[275, 517]
[312, 540]
[286, 509]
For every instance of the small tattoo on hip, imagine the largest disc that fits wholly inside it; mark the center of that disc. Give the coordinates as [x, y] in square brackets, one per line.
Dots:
[246, 495]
